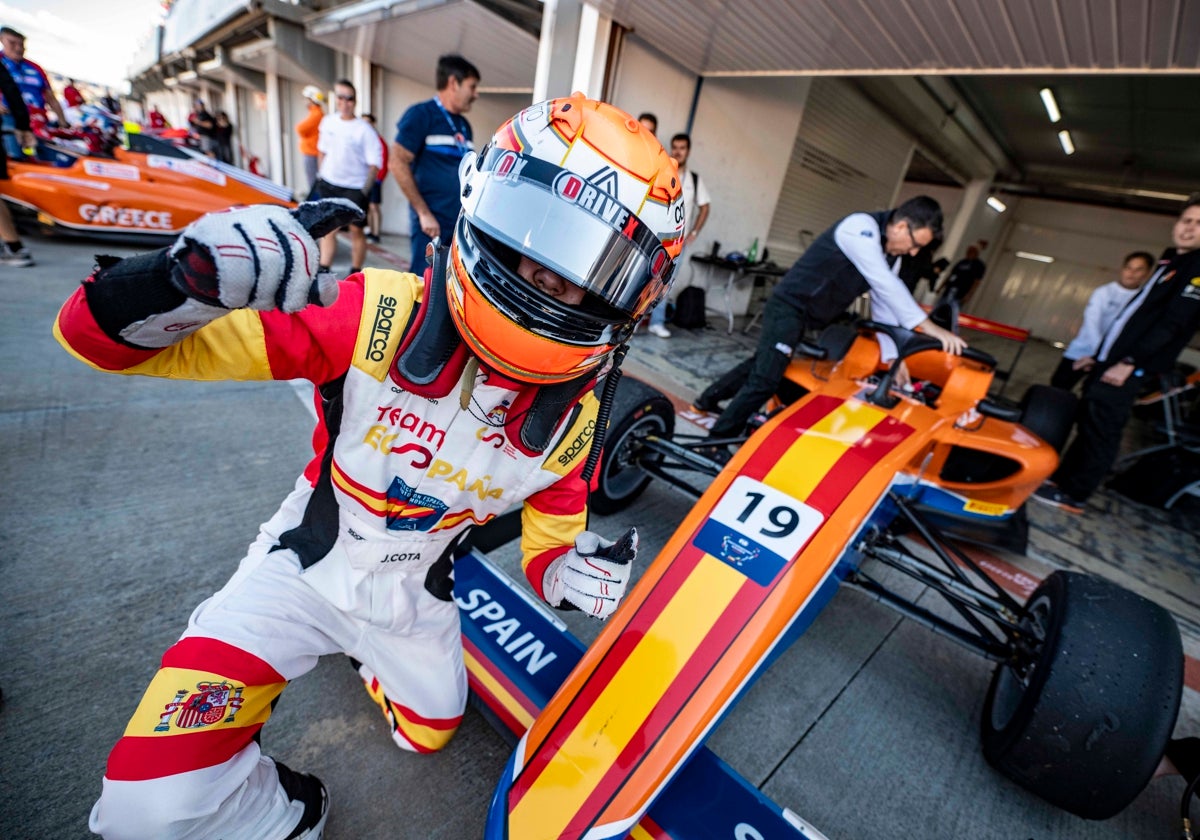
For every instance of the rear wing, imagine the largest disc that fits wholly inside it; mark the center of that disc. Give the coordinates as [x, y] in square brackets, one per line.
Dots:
[517, 653]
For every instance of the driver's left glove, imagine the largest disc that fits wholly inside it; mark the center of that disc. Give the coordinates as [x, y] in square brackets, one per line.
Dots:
[593, 575]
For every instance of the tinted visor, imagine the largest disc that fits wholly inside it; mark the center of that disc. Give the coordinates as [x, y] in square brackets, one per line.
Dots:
[569, 225]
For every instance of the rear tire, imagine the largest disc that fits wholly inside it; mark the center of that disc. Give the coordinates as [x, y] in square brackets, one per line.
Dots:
[638, 410]
[1049, 413]
[1082, 720]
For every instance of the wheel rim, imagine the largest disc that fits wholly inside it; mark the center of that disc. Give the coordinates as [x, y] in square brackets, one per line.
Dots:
[621, 475]
[1012, 680]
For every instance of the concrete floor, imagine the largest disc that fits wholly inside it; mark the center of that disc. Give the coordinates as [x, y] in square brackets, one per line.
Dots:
[127, 501]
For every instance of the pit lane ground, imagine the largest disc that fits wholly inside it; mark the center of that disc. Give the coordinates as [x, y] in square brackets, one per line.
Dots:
[126, 501]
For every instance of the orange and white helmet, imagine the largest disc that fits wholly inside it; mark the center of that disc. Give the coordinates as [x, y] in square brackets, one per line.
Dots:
[579, 187]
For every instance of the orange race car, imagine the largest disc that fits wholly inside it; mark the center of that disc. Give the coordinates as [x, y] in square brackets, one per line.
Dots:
[145, 189]
[1088, 676]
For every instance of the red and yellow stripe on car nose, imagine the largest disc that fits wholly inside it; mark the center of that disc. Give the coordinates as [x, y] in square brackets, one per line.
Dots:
[694, 631]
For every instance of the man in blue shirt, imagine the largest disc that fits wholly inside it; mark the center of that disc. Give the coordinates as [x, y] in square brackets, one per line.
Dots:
[431, 139]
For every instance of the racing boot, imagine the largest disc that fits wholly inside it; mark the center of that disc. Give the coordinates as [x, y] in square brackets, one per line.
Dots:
[307, 789]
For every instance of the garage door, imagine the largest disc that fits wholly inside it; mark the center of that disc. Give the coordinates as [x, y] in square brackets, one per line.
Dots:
[847, 157]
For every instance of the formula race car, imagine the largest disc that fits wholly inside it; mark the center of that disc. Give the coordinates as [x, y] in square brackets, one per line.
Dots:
[144, 189]
[846, 467]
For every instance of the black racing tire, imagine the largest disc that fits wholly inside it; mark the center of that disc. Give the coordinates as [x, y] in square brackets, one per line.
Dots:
[638, 410]
[1087, 724]
[1049, 413]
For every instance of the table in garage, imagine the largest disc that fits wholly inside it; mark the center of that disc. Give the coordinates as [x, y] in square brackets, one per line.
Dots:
[736, 271]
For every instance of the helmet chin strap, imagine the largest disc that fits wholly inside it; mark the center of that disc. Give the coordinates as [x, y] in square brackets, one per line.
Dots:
[606, 400]
[468, 383]
[422, 361]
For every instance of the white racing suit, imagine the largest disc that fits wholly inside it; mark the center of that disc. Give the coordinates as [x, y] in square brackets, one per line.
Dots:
[348, 564]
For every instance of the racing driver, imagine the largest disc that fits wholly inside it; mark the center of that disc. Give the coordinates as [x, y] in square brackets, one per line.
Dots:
[442, 401]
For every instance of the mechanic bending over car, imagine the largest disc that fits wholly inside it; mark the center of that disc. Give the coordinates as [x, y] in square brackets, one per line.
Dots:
[861, 253]
[429, 425]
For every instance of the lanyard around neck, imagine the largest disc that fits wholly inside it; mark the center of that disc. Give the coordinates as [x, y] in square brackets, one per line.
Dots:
[458, 133]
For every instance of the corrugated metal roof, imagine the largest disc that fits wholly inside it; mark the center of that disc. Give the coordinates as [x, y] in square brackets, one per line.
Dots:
[407, 38]
[749, 37]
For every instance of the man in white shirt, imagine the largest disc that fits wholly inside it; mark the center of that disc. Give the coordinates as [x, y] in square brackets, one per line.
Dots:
[696, 203]
[1105, 303]
[348, 159]
[860, 253]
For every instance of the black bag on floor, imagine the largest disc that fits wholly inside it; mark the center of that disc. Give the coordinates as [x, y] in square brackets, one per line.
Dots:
[1154, 478]
[689, 309]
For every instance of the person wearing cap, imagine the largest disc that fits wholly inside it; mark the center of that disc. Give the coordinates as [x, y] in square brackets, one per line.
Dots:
[309, 131]
[444, 400]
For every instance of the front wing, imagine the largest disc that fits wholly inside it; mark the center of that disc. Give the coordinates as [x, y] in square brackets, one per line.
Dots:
[517, 654]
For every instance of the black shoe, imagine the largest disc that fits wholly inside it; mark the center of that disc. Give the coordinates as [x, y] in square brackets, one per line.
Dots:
[306, 788]
[705, 406]
[1054, 497]
[1184, 753]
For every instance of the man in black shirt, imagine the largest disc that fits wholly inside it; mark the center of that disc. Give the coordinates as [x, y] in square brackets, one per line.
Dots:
[966, 273]
[204, 124]
[1145, 340]
[857, 255]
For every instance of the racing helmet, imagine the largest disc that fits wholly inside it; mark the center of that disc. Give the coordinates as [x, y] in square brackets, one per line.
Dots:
[313, 93]
[581, 188]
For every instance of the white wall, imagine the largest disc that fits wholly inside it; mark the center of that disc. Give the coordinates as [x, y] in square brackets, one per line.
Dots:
[741, 144]
[949, 197]
[646, 81]
[847, 157]
[1088, 245]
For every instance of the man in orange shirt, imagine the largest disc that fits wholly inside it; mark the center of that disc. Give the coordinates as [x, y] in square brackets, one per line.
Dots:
[309, 130]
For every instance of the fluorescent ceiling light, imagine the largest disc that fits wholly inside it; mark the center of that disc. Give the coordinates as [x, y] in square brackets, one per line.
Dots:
[1051, 105]
[996, 204]
[1064, 137]
[1025, 255]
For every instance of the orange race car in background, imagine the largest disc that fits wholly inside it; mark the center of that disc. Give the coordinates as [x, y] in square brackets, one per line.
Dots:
[143, 190]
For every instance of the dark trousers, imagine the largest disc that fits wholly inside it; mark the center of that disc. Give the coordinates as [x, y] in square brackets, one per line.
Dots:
[1065, 376]
[782, 328]
[729, 384]
[1103, 413]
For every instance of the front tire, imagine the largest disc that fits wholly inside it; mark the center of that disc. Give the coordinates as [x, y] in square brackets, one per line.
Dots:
[638, 410]
[1082, 718]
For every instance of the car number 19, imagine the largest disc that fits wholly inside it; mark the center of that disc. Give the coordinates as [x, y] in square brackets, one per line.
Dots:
[767, 516]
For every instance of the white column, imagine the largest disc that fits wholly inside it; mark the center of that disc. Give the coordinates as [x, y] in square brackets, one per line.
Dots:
[975, 195]
[573, 50]
[360, 74]
[231, 108]
[591, 54]
[274, 130]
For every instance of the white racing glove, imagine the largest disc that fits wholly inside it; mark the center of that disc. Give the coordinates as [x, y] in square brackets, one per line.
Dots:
[263, 257]
[593, 575]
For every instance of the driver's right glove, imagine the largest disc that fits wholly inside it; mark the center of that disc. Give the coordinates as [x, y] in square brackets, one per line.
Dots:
[256, 257]
[263, 257]
[593, 575]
